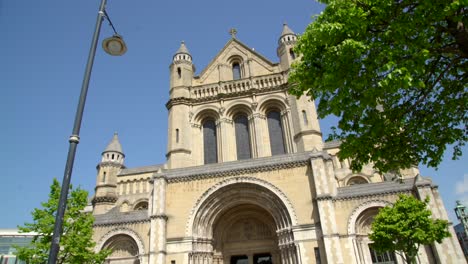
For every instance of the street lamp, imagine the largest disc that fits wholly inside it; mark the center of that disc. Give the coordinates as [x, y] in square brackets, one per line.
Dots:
[114, 46]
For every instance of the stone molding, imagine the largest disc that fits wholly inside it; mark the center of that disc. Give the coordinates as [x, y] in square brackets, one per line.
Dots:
[236, 168]
[307, 132]
[231, 181]
[104, 199]
[159, 216]
[122, 223]
[110, 164]
[101, 185]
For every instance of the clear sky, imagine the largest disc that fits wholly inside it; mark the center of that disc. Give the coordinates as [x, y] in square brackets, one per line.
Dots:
[43, 51]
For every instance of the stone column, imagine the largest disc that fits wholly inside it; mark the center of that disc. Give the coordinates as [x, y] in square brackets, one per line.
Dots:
[449, 251]
[288, 138]
[224, 146]
[325, 187]
[157, 254]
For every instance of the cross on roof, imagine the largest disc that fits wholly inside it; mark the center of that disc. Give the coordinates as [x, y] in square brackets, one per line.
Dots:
[233, 32]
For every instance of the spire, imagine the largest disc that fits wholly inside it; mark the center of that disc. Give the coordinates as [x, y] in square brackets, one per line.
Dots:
[114, 145]
[286, 30]
[183, 49]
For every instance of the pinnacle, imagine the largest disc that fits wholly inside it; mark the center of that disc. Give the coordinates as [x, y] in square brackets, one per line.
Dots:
[183, 48]
[286, 30]
[114, 145]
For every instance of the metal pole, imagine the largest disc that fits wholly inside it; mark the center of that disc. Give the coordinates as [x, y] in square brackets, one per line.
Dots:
[74, 140]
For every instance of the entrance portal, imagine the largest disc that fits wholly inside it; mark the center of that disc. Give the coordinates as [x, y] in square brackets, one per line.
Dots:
[246, 232]
[243, 220]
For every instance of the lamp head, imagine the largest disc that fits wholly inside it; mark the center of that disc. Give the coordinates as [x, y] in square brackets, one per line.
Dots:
[114, 45]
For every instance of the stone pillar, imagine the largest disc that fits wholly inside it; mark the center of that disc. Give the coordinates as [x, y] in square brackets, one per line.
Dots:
[449, 250]
[224, 146]
[157, 253]
[325, 187]
[288, 138]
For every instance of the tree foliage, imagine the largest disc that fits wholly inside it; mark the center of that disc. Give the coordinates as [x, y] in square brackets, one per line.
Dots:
[76, 244]
[394, 72]
[405, 226]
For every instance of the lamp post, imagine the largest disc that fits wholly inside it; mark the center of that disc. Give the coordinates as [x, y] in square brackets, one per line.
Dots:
[113, 46]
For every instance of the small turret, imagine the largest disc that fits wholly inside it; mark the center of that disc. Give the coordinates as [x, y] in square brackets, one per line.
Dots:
[179, 146]
[182, 71]
[285, 50]
[113, 151]
[112, 162]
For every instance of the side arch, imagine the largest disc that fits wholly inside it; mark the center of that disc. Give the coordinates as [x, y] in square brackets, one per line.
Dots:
[121, 231]
[360, 209]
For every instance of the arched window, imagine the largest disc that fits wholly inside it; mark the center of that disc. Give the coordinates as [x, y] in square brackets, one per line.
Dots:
[210, 148]
[177, 135]
[356, 180]
[242, 137]
[304, 117]
[104, 177]
[141, 206]
[291, 53]
[179, 72]
[236, 71]
[275, 130]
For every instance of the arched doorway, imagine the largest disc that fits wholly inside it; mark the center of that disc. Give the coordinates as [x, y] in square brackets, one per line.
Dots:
[243, 221]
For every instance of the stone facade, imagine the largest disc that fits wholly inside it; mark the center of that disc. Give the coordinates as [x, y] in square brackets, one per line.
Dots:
[248, 178]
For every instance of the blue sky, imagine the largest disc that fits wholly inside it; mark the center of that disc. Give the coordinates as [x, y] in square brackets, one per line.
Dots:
[43, 51]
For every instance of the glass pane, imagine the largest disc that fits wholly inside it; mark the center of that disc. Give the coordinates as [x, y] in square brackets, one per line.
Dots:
[275, 130]
[210, 148]
[242, 137]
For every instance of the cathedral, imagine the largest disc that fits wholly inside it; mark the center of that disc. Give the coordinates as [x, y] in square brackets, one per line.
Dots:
[248, 178]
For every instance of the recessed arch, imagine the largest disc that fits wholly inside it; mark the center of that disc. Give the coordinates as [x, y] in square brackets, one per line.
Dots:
[270, 103]
[206, 113]
[141, 204]
[121, 231]
[239, 106]
[356, 213]
[356, 180]
[238, 214]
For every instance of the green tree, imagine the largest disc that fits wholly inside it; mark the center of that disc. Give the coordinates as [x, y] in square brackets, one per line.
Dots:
[395, 74]
[76, 244]
[405, 226]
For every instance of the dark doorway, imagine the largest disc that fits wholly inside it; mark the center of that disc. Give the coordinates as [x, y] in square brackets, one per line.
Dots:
[239, 259]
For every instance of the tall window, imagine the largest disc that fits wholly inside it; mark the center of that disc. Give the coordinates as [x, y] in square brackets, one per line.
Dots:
[236, 72]
[275, 130]
[210, 148]
[304, 117]
[242, 137]
[291, 53]
[386, 257]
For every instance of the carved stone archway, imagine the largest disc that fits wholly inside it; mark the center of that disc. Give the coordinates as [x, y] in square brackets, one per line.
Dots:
[126, 246]
[242, 216]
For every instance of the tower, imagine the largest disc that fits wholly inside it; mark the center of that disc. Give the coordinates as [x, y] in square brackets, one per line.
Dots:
[112, 162]
[307, 134]
[285, 50]
[179, 138]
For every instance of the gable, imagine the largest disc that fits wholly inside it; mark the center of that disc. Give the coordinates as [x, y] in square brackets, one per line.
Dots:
[220, 68]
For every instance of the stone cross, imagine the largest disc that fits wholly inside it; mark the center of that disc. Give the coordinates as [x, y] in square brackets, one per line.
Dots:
[233, 32]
